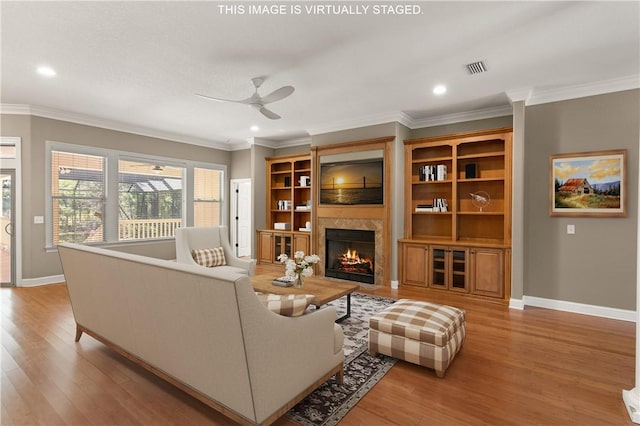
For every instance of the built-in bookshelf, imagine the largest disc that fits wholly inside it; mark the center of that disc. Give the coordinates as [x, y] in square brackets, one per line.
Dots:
[458, 212]
[289, 207]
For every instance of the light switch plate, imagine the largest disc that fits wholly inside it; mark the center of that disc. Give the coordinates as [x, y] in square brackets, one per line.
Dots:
[571, 229]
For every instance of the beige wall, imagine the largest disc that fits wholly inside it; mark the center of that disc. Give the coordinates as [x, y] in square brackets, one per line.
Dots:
[240, 164]
[597, 265]
[35, 131]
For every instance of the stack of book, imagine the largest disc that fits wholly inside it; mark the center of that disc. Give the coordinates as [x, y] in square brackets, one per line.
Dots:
[432, 172]
[439, 205]
[285, 281]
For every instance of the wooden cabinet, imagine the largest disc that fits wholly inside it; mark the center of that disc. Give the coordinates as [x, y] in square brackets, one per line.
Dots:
[272, 244]
[487, 272]
[414, 261]
[458, 209]
[288, 207]
[448, 268]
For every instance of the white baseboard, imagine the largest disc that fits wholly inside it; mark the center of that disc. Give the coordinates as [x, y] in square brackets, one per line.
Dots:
[516, 304]
[34, 282]
[580, 308]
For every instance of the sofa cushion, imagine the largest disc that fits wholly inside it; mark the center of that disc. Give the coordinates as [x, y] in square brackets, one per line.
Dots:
[209, 257]
[290, 305]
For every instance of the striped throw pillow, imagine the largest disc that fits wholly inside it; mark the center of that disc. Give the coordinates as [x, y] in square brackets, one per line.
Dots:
[290, 305]
[209, 257]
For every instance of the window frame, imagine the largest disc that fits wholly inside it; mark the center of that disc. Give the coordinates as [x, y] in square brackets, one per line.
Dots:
[111, 201]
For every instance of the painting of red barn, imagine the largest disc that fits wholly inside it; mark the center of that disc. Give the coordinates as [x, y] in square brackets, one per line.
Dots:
[588, 184]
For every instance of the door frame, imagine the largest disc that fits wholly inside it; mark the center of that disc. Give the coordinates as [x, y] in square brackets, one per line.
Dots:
[233, 221]
[15, 164]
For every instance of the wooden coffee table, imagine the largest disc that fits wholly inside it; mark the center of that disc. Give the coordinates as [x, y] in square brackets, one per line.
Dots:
[324, 290]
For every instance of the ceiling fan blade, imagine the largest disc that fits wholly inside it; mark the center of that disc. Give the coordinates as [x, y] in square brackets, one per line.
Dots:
[269, 114]
[278, 94]
[210, 98]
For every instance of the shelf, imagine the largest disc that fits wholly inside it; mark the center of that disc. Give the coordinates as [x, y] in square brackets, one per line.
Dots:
[481, 155]
[423, 182]
[432, 213]
[488, 179]
[281, 172]
[431, 160]
[481, 213]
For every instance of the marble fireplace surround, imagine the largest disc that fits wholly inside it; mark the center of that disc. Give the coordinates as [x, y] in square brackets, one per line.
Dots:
[376, 225]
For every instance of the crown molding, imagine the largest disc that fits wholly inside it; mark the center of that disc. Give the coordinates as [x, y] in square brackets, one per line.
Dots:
[54, 114]
[372, 120]
[500, 111]
[530, 95]
[519, 95]
[543, 96]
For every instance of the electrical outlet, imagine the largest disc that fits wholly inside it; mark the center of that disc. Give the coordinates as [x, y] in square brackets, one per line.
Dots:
[571, 229]
[38, 219]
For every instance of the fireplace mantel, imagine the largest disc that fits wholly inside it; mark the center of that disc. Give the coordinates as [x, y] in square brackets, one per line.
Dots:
[364, 217]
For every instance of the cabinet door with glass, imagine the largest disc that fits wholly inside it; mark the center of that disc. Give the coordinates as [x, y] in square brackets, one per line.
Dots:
[448, 268]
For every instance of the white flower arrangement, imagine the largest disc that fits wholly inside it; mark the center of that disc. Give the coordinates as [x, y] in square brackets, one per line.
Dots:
[300, 265]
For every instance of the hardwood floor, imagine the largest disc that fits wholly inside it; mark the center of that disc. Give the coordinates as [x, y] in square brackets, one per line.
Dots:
[531, 367]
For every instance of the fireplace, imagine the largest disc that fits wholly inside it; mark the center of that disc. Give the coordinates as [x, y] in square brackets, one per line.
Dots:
[350, 254]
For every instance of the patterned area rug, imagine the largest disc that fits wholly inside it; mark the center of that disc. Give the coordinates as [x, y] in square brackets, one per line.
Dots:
[328, 404]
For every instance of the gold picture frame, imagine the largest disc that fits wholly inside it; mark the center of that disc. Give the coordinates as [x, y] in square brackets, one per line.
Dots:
[588, 184]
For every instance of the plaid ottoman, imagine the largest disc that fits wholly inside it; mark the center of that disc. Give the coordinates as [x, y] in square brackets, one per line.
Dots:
[423, 333]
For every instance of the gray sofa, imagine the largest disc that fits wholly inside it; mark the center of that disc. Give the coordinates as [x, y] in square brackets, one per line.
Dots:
[203, 330]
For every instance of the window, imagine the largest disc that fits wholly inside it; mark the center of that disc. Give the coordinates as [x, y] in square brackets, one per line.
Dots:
[103, 196]
[207, 196]
[149, 199]
[77, 197]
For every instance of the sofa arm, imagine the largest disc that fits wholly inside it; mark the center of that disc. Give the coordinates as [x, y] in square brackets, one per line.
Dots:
[237, 262]
[288, 355]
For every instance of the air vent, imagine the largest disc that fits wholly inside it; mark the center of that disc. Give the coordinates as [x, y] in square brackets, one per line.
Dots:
[477, 67]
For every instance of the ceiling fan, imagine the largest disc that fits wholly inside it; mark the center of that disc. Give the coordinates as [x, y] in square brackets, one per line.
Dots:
[258, 102]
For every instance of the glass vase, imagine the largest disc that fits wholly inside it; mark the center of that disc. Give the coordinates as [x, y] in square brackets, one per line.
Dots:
[299, 281]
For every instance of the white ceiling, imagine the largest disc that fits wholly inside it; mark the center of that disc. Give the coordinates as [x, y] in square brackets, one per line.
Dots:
[137, 65]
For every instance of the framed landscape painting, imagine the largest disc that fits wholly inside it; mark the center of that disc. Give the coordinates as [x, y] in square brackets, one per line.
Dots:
[588, 184]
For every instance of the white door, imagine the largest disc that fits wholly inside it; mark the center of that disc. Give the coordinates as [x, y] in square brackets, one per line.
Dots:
[241, 216]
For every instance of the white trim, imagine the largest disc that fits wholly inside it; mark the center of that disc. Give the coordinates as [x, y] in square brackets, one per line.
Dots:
[34, 282]
[16, 164]
[88, 120]
[631, 400]
[547, 95]
[516, 304]
[580, 308]
[372, 120]
[459, 117]
[531, 96]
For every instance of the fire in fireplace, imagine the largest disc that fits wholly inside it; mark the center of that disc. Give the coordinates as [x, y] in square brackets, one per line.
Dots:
[350, 254]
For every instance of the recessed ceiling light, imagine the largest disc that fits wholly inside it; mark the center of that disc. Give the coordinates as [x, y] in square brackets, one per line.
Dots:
[46, 71]
[440, 89]
[254, 128]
